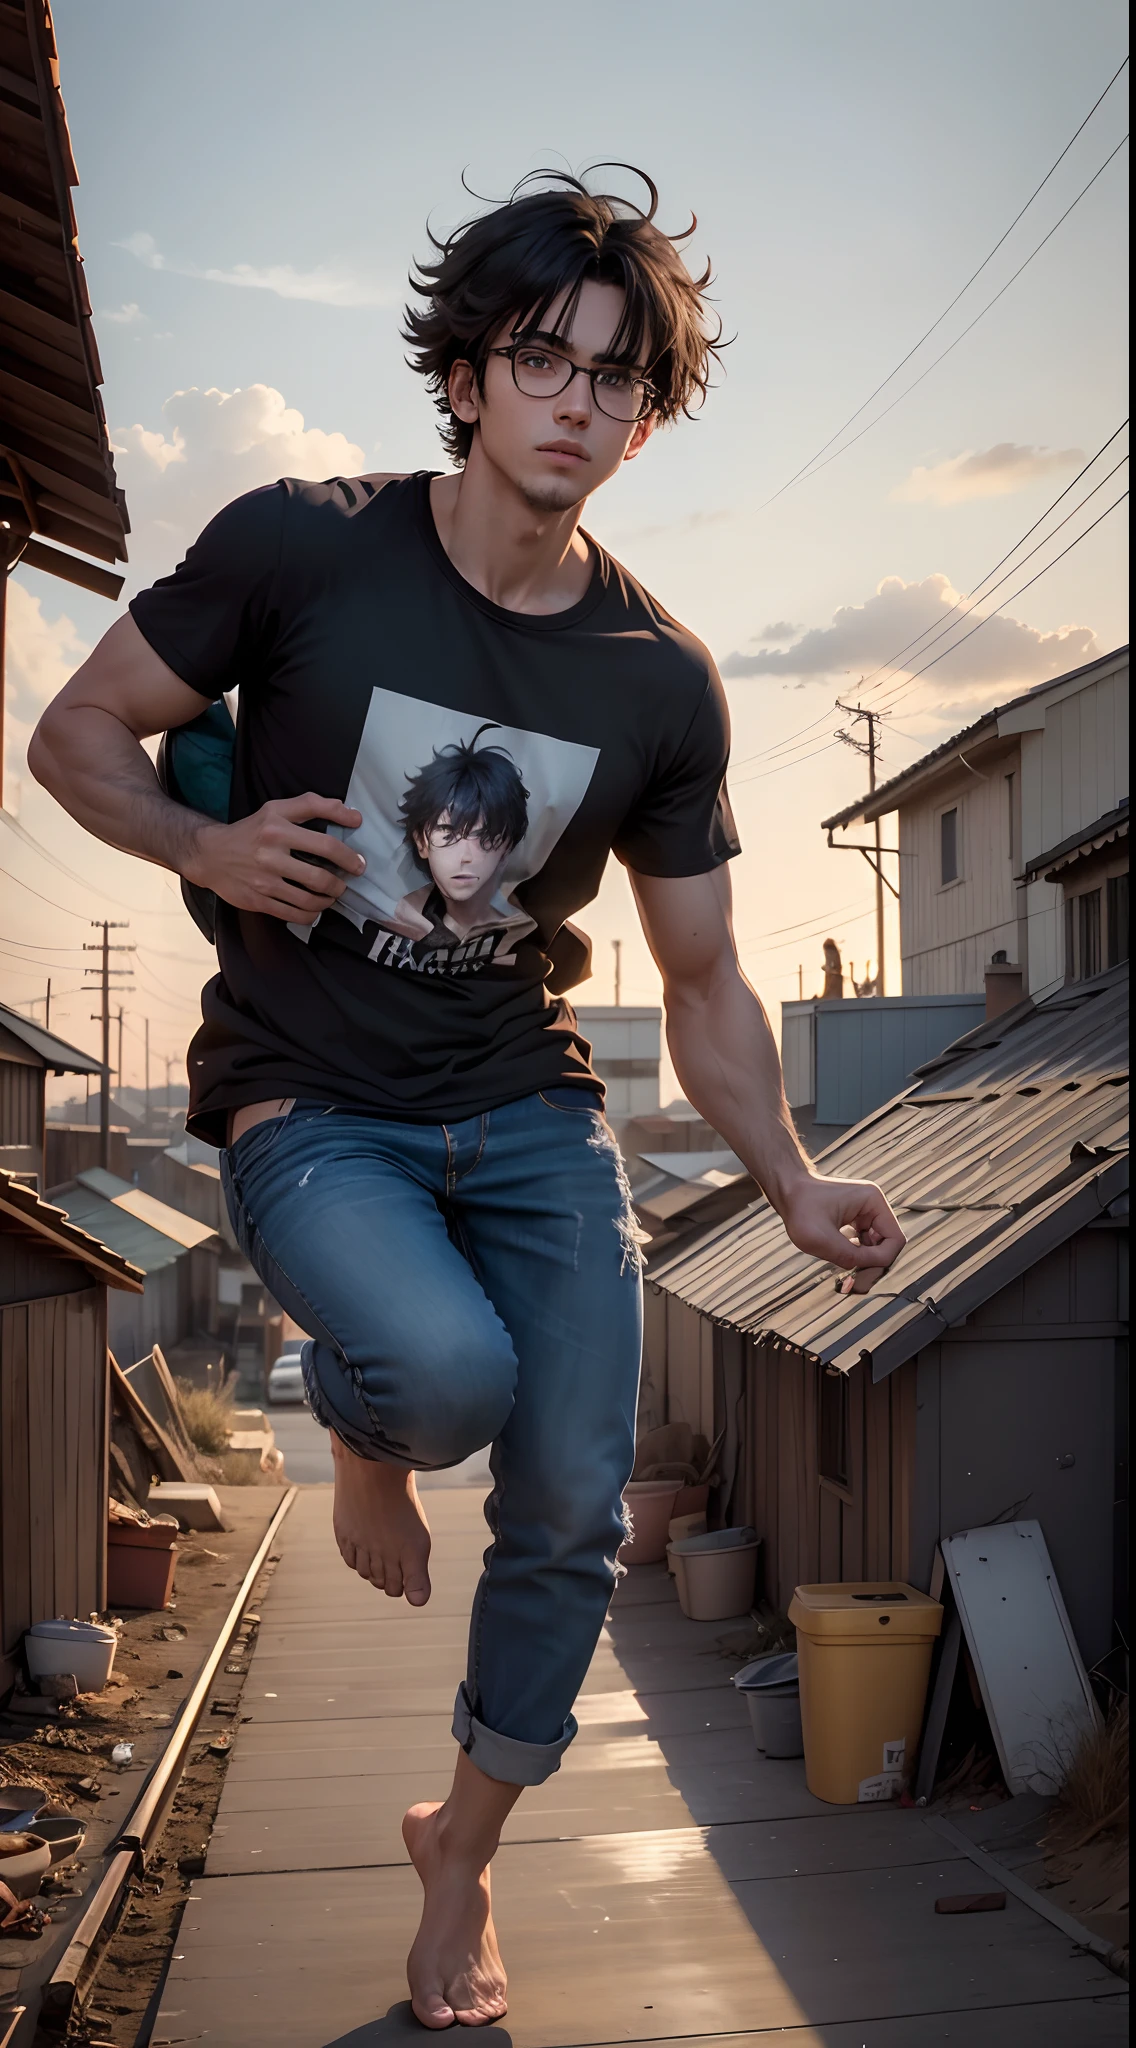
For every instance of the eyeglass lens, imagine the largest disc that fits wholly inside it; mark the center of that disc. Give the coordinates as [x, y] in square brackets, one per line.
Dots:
[540, 374]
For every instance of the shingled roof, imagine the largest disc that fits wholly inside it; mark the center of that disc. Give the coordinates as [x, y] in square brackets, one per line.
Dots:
[57, 480]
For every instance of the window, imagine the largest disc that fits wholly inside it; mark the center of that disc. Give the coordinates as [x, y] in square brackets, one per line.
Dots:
[833, 1461]
[1088, 934]
[1117, 919]
[949, 846]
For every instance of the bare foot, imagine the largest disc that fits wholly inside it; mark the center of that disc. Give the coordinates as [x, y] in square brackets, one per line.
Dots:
[454, 1969]
[379, 1525]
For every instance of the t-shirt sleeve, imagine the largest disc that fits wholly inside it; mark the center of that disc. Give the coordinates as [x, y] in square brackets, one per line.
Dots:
[214, 619]
[682, 823]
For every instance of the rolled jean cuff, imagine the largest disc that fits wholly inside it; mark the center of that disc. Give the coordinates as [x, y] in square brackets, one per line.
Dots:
[347, 1417]
[502, 1756]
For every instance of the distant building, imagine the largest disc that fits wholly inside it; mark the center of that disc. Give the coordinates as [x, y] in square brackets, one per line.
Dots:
[27, 1056]
[178, 1255]
[625, 1046]
[1013, 843]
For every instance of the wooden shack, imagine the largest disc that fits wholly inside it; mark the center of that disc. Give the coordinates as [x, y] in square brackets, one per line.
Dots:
[54, 1414]
[985, 1374]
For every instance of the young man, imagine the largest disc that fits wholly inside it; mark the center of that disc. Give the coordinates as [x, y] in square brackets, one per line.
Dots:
[417, 1161]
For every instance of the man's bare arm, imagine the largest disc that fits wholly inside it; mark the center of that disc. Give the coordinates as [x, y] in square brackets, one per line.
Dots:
[727, 1062]
[87, 750]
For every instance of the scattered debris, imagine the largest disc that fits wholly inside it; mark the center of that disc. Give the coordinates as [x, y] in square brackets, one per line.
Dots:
[122, 1754]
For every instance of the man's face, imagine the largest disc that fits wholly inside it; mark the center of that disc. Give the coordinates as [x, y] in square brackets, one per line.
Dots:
[461, 868]
[556, 450]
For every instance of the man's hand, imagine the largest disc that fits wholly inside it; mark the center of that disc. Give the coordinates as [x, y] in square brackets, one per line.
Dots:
[818, 1212]
[265, 862]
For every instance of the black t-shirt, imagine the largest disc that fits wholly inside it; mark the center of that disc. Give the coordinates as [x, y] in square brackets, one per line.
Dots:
[497, 758]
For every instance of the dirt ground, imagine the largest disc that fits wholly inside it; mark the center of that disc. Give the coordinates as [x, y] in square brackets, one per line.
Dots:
[157, 1662]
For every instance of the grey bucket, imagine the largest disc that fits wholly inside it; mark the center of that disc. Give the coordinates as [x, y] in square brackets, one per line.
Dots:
[772, 1694]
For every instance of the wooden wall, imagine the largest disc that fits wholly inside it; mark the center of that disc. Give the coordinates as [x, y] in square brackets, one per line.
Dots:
[53, 1462]
[815, 1532]
[949, 933]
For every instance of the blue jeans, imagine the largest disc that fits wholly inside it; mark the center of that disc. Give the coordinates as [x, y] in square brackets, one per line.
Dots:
[465, 1284]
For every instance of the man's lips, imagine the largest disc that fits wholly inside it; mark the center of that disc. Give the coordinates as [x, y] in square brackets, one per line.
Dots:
[568, 448]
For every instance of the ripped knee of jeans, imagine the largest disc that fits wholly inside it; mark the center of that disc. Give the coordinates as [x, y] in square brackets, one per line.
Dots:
[631, 1237]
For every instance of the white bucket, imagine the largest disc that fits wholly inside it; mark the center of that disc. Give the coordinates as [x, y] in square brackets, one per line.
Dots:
[85, 1648]
[715, 1575]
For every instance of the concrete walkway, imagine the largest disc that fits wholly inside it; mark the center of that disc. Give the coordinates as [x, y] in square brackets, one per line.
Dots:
[666, 1886]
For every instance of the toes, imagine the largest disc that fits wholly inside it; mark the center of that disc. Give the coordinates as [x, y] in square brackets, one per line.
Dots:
[416, 1585]
[434, 2012]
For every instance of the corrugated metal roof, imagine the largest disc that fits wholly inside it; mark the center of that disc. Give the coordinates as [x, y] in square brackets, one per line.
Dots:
[23, 1211]
[185, 1230]
[887, 797]
[1105, 832]
[54, 1052]
[56, 469]
[1004, 1146]
[149, 1249]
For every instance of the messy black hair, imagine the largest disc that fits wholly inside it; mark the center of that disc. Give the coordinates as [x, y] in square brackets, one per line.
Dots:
[476, 788]
[513, 263]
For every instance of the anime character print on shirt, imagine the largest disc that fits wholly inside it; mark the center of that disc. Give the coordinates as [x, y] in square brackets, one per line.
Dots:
[458, 812]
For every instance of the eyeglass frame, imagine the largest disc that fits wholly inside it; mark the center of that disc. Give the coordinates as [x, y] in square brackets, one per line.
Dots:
[651, 391]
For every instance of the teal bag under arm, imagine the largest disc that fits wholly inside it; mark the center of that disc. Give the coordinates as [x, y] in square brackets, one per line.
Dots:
[195, 768]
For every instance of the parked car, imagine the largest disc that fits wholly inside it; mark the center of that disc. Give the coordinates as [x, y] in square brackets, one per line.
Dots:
[286, 1378]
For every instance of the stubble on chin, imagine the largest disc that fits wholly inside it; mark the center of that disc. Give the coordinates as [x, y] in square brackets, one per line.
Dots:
[552, 494]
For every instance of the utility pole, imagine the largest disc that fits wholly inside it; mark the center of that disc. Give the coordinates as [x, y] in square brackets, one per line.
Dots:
[104, 970]
[870, 747]
[118, 1069]
[617, 949]
[47, 1008]
[146, 1021]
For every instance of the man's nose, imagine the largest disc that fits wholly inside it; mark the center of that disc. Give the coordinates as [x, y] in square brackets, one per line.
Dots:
[574, 404]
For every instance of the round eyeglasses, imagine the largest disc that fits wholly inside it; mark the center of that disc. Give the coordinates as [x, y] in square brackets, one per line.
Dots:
[541, 373]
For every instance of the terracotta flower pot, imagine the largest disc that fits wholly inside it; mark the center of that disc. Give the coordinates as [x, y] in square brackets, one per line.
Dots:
[651, 1505]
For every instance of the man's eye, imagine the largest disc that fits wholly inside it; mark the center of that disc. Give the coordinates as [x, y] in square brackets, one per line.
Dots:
[614, 380]
[535, 359]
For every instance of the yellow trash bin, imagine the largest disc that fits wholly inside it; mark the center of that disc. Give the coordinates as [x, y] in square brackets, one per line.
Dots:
[863, 1659]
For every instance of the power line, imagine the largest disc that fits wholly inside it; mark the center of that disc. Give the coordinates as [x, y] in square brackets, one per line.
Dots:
[820, 930]
[789, 744]
[853, 417]
[782, 765]
[781, 929]
[809, 472]
[867, 682]
[970, 607]
[1076, 542]
[92, 888]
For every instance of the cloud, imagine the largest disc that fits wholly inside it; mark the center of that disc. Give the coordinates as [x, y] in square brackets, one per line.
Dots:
[41, 655]
[329, 284]
[778, 629]
[129, 315]
[862, 636]
[212, 446]
[984, 473]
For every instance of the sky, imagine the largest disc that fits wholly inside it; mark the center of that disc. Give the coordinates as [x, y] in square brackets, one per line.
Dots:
[255, 182]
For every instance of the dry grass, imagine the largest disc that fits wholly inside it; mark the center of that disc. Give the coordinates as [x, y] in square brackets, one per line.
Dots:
[207, 1416]
[1094, 1797]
